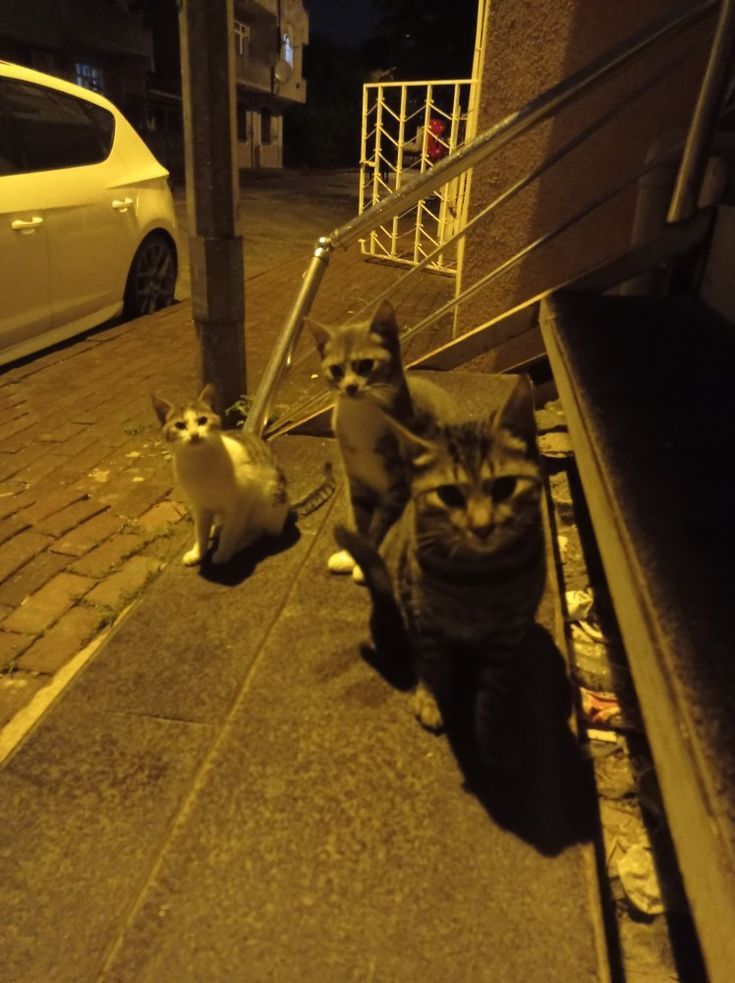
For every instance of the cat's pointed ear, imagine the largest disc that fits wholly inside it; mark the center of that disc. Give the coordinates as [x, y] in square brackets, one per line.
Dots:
[208, 395]
[516, 413]
[321, 333]
[161, 407]
[384, 321]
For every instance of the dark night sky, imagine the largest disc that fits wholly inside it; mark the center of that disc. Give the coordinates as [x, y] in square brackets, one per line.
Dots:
[345, 21]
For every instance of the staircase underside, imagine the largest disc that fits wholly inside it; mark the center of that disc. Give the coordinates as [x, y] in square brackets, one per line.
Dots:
[648, 394]
[231, 791]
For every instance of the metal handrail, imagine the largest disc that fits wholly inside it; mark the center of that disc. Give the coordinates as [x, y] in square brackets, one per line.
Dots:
[540, 169]
[313, 403]
[472, 153]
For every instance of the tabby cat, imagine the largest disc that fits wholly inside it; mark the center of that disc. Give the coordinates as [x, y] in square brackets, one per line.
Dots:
[361, 362]
[463, 570]
[234, 485]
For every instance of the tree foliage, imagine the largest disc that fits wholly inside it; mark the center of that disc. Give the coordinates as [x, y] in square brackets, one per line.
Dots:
[414, 39]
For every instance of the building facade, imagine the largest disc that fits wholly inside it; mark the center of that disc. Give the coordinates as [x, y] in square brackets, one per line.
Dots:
[128, 51]
[269, 38]
[106, 46]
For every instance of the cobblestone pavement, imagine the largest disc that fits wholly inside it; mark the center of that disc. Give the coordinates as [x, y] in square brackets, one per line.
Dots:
[88, 512]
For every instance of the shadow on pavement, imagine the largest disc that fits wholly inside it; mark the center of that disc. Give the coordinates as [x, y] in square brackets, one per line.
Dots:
[243, 564]
[550, 803]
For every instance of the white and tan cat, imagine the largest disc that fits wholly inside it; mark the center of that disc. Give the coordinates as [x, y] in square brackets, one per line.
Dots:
[233, 483]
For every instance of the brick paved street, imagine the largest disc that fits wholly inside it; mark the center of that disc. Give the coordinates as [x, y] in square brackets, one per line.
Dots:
[88, 514]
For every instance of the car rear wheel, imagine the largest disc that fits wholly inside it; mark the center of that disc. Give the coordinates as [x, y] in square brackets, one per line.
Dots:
[152, 277]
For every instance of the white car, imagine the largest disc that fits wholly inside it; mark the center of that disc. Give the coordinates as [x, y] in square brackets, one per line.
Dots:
[87, 224]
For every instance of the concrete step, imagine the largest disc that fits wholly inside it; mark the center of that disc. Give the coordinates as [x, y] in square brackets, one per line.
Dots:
[646, 386]
[229, 791]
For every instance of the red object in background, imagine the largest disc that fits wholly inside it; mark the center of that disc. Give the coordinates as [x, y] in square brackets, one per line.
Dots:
[435, 149]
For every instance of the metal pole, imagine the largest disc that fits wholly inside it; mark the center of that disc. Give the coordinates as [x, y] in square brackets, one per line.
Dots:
[281, 355]
[704, 120]
[215, 246]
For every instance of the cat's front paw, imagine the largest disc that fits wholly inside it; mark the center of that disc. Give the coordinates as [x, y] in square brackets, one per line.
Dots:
[192, 557]
[357, 575]
[341, 562]
[427, 709]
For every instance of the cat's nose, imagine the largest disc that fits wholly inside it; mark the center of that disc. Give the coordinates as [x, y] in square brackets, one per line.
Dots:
[484, 531]
[194, 438]
[351, 388]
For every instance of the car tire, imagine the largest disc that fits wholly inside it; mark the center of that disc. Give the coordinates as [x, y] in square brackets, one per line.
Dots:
[152, 278]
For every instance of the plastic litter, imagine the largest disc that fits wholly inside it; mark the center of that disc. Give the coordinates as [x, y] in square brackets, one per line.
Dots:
[599, 709]
[579, 604]
[640, 883]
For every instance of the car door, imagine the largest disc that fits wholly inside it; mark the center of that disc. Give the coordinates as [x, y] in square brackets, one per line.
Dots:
[68, 144]
[25, 308]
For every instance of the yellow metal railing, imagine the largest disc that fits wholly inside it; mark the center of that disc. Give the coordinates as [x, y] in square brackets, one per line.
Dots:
[408, 127]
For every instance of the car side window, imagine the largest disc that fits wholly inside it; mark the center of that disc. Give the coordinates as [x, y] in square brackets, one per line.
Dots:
[11, 160]
[52, 129]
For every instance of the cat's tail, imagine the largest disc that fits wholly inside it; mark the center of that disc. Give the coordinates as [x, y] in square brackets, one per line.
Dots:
[318, 496]
[392, 647]
[368, 559]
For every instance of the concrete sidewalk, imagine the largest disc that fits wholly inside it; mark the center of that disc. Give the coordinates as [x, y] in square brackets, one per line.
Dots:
[228, 791]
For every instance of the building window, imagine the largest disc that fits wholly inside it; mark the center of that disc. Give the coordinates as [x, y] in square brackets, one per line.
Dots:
[89, 76]
[242, 124]
[266, 125]
[242, 38]
[287, 48]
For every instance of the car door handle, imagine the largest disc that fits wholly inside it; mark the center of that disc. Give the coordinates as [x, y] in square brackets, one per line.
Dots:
[122, 204]
[26, 225]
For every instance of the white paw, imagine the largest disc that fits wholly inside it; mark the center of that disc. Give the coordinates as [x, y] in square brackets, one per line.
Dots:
[341, 562]
[426, 709]
[357, 575]
[192, 557]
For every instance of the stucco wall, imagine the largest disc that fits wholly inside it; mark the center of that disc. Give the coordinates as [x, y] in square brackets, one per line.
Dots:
[531, 45]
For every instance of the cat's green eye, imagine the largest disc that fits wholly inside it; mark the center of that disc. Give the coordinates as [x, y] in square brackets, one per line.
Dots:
[502, 488]
[180, 425]
[336, 371]
[451, 496]
[364, 366]
[201, 421]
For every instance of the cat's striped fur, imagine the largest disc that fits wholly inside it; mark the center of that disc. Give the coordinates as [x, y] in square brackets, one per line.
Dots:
[362, 363]
[233, 482]
[463, 569]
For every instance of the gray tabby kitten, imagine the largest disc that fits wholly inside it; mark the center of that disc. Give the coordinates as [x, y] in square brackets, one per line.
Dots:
[463, 570]
[234, 485]
[362, 363]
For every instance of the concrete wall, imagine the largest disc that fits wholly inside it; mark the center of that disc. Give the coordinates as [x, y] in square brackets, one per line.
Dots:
[531, 45]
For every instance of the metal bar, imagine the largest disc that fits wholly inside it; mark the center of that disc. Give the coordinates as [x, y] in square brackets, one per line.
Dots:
[704, 120]
[444, 170]
[399, 162]
[528, 177]
[509, 193]
[378, 140]
[281, 355]
[505, 130]
[532, 246]
[395, 85]
[363, 150]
